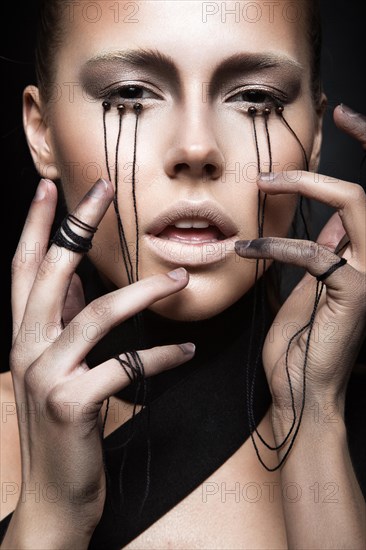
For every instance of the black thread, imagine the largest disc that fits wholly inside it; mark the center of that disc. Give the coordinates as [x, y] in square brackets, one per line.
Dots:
[106, 142]
[65, 237]
[309, 325]
[331, 270]
[132, 364]
[306, 161]
[137, 111]
[122, 237]
[253, 113]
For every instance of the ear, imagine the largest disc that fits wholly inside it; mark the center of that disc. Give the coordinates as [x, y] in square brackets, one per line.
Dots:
[319, 116]
[38, 134]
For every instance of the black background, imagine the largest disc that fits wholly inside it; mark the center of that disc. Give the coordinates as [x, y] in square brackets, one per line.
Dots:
[344, 70]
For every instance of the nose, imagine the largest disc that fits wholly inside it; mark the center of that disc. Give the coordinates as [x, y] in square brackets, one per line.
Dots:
[193, 151]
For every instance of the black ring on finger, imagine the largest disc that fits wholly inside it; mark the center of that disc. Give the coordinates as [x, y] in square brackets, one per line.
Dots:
[67, 238]
[331, 270]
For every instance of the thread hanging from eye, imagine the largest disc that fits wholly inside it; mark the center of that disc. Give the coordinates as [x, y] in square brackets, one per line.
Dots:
[259, 289]
[137, 109]
[106, 107]
[123, 243]
[122, 237]
[132, 365]
[252, 365]
[279, 110]
[253, 112]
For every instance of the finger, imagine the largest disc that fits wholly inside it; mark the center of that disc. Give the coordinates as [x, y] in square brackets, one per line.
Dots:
[32, 247]
[75, 300]
[333, 237]
[108, 378]
[315, 258]
[104, 313]
[348, 198]
[351, 122]
[48, 294]
[332, 233]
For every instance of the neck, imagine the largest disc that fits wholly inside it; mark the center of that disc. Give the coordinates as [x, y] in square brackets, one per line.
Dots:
[212, 336]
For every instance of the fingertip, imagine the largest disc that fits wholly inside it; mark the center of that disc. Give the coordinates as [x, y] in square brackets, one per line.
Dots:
[241, 246]
[102, 188]
[188, 348]
[264, 178]
[345, 110]
[44, 190]
[345, 117]
[351, 122]
[179, 274]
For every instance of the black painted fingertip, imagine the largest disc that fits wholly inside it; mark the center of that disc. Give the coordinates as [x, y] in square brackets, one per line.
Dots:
[254, 244]
[253, 247]
[241, 246]
[347, 110]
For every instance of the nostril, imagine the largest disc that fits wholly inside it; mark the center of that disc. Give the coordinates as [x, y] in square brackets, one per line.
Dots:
[181, 167]
[209, 170]
[196, 169]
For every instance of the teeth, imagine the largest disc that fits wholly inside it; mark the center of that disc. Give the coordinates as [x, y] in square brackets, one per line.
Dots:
[188, 224]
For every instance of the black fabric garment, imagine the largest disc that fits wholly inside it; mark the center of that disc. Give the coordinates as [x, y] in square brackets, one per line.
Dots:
[198, 416]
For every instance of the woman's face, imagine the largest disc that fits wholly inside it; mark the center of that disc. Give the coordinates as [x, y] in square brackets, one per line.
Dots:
[203, 65]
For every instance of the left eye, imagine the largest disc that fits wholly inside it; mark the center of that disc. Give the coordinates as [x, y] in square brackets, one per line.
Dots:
[252, 96]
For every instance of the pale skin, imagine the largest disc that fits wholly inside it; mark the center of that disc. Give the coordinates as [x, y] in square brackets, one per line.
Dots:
[184, 138]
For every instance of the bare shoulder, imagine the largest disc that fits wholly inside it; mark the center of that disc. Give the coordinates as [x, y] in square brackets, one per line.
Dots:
[10, 472]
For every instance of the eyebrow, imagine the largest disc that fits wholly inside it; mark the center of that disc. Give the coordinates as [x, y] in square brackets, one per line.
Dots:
[244, 63]
[164, 66]
[150, 60]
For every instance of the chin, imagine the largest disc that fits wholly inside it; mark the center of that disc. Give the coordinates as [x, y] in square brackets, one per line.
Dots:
[191, 304]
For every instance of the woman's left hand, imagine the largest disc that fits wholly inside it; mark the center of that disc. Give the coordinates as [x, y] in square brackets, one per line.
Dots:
[339, 323]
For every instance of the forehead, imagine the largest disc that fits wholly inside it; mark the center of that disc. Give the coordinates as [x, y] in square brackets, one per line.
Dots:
[196, 34]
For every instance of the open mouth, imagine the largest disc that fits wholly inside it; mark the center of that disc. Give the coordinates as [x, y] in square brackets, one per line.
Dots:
[192, 232]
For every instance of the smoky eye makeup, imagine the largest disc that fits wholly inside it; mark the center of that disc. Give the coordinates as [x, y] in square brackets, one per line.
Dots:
[259, 91]
[102, 87]
[107, 78]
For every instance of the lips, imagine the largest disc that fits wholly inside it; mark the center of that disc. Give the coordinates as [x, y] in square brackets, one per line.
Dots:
[192, 234]
[203, 218]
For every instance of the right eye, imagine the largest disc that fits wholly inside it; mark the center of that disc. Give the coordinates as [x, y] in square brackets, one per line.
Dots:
[130, 92]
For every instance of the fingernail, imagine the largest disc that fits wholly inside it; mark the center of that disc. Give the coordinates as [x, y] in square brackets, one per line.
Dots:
[178, 274]
[40, 191]
[347, 110]
[268, 176]
[99, 189]
[254, 247]
[242, 245]
[188, 348]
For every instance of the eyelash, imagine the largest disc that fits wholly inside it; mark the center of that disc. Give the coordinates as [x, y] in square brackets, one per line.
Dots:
[115, 92]
[267, 98]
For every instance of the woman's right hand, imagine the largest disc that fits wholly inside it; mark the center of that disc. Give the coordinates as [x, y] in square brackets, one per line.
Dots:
[58, 397]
